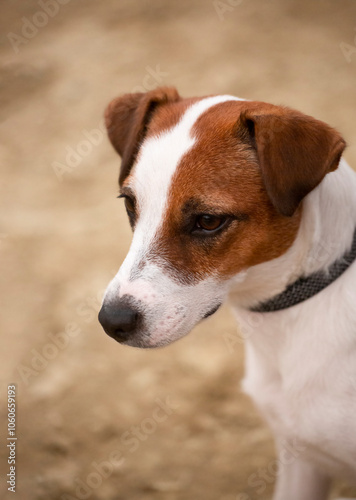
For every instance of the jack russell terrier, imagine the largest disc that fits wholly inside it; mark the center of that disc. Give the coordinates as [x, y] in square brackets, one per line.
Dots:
[244, 200]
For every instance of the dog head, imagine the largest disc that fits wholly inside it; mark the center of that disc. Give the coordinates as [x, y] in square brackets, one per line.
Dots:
[212, 186]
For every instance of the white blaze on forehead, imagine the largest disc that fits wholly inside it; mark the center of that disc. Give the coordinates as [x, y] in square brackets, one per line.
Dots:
[153, 172]
[160, 156]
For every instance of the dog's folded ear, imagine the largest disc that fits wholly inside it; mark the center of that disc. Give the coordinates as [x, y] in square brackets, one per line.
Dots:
[294, 151]
[127, 118]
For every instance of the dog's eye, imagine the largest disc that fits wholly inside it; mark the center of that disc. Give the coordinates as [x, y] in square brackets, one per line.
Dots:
[207, 222]
[129, 205]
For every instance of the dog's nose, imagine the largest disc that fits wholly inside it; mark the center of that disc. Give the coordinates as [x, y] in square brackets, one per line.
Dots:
[118, 322]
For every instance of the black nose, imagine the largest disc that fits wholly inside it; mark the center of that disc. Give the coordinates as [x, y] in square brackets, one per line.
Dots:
[118, 322]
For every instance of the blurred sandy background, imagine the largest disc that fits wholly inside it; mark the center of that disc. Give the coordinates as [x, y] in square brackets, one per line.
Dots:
[82, 398]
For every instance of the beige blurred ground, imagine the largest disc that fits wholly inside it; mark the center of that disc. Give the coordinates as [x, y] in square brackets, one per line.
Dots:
[62, 239]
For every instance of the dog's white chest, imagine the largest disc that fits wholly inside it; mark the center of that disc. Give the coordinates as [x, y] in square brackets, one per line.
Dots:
[301, 374]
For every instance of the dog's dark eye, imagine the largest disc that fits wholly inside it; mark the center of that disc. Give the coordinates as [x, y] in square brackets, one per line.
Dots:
[129, 205]
[207, 222]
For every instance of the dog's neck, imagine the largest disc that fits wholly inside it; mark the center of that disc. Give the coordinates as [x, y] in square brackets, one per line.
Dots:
[325, 234]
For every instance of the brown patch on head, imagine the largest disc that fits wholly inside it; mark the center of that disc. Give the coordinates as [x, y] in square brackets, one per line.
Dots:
[253, 163]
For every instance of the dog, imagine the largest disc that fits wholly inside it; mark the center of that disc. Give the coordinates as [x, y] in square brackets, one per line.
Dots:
[251, 203]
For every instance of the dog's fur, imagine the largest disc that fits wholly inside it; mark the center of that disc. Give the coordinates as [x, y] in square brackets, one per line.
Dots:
[290, 206]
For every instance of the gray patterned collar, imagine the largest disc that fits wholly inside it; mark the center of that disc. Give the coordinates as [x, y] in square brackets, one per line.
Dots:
[306, 287]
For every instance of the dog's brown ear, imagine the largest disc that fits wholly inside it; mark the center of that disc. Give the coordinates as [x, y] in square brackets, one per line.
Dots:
[127, 118]
[294, 151]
